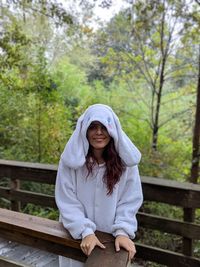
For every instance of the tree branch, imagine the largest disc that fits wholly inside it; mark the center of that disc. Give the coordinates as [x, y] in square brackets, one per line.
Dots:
[175, 115]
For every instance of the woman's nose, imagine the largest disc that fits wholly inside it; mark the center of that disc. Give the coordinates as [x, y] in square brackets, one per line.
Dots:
[99, 130]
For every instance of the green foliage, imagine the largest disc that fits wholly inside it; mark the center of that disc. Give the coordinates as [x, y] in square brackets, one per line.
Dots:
[13, 43]
[197, 248]
[163, 210]
[51, 9]
[48, 213]
[11, 113]
[37, 120]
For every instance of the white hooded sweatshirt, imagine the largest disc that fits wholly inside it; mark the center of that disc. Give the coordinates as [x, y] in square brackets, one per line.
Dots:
[82, 200]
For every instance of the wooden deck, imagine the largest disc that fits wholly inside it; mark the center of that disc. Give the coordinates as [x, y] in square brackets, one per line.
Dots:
[21, 255]
[13, 254]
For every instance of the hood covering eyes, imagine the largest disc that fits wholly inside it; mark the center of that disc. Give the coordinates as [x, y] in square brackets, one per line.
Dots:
[76, 149]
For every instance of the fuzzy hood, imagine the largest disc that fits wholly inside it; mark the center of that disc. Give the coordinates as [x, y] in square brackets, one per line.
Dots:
[76, 149]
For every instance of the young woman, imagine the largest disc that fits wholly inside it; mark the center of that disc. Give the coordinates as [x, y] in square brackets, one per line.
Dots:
[98, 185]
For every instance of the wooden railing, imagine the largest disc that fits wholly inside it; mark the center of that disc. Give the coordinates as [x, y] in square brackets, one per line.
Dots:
[183, 195]
[51, 236]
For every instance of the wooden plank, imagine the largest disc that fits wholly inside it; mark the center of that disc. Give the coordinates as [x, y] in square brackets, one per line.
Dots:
[7, 248]
[20, 252]
[188, 193]
[5, 192]
[35, 175]
[27, 255]
[42, 173]
[105, 256]
[165, 257]
[3, 243]
[170, 183]
[45, 259]
[34, 198]
[38, 227]
[4, 262]
[160, 193]
[25, 223]
[185, 229]
[25, 164]
[28, 197]
[188, 243]
[14, 185]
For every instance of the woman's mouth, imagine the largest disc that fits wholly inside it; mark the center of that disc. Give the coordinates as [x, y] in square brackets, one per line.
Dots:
[99, 139]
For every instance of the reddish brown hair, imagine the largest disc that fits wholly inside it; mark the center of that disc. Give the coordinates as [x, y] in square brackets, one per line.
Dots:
[114, 165]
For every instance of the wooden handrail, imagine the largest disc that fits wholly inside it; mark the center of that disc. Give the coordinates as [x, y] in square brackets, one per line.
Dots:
[181, 228]
[51, 236]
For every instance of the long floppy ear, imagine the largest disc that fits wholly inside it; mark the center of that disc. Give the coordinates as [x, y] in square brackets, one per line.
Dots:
[128, 152]
[76, 148]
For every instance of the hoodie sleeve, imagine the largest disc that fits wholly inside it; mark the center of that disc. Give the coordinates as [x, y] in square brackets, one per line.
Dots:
[129, 201]
[72, 212]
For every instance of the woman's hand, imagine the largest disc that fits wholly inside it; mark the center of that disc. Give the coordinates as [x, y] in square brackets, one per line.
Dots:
[89, 242]
[126, 243]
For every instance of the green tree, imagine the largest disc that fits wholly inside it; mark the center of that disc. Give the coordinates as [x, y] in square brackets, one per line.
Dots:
[145, 54]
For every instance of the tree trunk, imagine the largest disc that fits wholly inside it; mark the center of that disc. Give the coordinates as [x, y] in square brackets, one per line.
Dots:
[196, 135]
[24, 11]
[39, 129]
[158, 105]
[164, 51]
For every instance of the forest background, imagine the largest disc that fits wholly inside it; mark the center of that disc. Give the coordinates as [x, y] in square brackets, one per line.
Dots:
[57, 59]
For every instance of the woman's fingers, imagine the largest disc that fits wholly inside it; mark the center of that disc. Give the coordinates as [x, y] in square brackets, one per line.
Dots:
[90, 249]
[92, 246]
[89, 242]
[87, 248]
[100, 244]
[117, 247]
[132, 252]
[83, 248]
[127, 244]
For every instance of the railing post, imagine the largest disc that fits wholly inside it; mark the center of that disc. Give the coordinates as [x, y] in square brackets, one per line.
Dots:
[14, 186]
[188, 243]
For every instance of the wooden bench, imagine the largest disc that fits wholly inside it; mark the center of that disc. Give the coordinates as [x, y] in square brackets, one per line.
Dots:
[51, 236]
